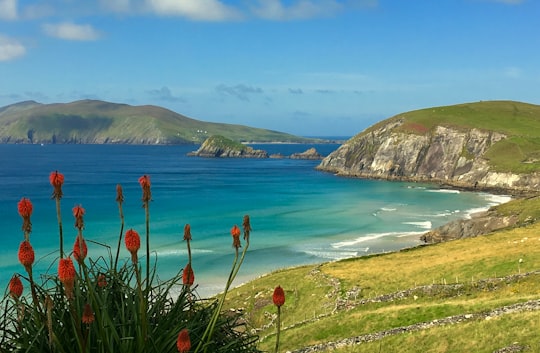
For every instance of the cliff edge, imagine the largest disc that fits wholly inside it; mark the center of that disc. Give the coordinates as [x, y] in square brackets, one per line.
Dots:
[493, 146]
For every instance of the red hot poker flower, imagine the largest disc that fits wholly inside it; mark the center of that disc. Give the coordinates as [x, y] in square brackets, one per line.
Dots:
[133, 243]
[188, 276]
[183, 343]
[278, 297]
[80, 250]
[25, 210]
[26, 254]
[15, 287]
[25, 207]
[187, 232]
[247, 227]
[144, 181]
[119, 194]
[101, 280]
[78, 213]
[66, 275]
[88, 314]
[56, 179]
[235, 232]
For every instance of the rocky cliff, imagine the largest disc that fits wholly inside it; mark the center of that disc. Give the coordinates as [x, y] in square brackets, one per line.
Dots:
[443, 154]
[222, 147]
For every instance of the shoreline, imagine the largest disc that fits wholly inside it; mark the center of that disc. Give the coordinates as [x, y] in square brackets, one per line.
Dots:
[411, 240]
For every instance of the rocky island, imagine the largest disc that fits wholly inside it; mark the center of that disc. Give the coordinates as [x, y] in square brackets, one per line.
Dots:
[221, 147]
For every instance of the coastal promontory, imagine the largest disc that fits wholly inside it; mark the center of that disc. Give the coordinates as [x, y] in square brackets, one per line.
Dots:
[491, 145]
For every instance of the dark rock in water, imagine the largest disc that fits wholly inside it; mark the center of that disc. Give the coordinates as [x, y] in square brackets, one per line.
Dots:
[222, 147]
[309, 154]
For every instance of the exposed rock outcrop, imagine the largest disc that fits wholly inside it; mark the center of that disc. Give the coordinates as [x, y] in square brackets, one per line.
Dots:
[479, 224]
[444, 155]
[310, 154]
[219, 146]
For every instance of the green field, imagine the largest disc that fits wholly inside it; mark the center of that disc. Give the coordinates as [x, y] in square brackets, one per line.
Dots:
[338, 300]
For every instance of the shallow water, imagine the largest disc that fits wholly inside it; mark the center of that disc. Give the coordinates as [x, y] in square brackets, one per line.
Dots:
[299, 215]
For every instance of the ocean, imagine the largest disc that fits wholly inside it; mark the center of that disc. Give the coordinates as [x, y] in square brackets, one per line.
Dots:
[299, 215]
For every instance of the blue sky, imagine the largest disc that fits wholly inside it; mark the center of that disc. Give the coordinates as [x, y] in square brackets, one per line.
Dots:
[307, 67]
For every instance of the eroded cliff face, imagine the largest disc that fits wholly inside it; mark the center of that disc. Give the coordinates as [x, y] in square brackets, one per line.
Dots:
[444, 155]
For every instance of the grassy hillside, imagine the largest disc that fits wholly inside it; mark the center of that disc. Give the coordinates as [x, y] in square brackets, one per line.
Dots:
[520, 122]
[418, 288]
[92, 121]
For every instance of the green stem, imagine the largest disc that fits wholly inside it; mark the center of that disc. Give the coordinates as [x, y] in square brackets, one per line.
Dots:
[234, 270]
[142, 303]
[278, 328]
[120, 236]
[147, 216]
[59, 217]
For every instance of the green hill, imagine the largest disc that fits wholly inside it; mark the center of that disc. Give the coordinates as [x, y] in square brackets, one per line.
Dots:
[93, 121]
[519, 152]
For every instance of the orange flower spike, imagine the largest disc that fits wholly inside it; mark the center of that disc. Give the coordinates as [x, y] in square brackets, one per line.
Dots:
[183, 343]
[25, 210]
[144, 181]
[25, 207]
[101, 281]
[187, 232]
[80, 250]
[78, 213]
[15, 287]
[66, 275]
[26, 254]
[247, 227]
[278, 297]
[235, 232]
[133, 243]
[188, 276]
[88, 314]
[119, 194]
[57, 180]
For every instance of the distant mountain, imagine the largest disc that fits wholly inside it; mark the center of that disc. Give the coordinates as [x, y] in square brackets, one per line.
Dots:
[492, 145]
[99, 122]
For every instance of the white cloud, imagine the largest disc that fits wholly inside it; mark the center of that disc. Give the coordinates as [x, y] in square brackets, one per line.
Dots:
[10, 48]
[8, 9]
[302, 9]
[71, 31]
[200, 10]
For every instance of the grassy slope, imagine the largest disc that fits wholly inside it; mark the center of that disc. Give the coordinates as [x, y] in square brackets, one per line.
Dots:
[519, 121]
[122, 121]
[313, 292]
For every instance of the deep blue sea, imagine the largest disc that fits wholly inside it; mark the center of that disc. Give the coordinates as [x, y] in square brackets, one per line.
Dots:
[299, 215]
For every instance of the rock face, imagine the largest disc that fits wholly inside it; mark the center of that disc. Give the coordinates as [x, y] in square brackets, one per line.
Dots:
[311, 154]
[219, 146]
[443, 155]
[479, 224]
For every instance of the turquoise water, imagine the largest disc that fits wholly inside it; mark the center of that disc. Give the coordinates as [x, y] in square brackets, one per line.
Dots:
[298, 215]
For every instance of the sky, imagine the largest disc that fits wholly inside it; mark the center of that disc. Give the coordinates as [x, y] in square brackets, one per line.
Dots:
[306, 67]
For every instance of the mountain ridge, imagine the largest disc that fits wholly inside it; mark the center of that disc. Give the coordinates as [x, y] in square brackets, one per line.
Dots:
[101, 122]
